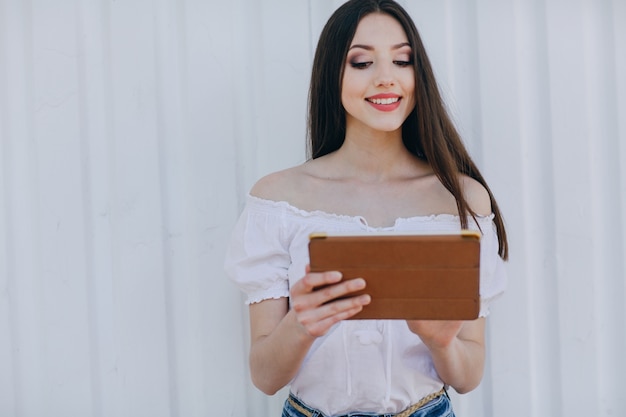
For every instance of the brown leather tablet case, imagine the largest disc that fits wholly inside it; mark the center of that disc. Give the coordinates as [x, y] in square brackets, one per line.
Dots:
[433, 277]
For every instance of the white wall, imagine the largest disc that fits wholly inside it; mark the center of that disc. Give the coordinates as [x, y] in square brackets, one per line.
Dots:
[131, 130]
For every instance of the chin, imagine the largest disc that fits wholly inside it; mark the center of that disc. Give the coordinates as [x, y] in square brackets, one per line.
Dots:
[388, 128]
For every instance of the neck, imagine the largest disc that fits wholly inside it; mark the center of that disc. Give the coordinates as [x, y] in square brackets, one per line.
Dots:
[374, 155]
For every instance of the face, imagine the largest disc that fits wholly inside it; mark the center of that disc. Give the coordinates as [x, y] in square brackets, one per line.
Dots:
[378, 84]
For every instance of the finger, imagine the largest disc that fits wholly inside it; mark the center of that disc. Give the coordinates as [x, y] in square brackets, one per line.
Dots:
[319, 321]
[343, 289]
[317, 279]
[320, 328]
[316, 297]
[339, 309]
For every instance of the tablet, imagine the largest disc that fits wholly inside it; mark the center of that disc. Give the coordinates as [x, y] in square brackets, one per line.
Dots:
[409, 276]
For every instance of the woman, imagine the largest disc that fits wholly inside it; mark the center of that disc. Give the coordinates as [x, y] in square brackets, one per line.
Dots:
[384, 157]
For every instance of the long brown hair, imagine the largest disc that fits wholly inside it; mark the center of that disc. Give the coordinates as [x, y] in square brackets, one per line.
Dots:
[428, 132]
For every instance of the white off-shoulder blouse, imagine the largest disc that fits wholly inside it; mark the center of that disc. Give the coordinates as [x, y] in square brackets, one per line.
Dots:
[359, 365]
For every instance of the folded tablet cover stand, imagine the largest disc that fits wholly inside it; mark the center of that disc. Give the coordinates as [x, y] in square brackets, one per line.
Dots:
[434, 277]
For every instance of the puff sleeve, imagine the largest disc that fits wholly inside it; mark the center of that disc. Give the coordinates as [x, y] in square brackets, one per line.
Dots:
[257, 259]
[493, 277]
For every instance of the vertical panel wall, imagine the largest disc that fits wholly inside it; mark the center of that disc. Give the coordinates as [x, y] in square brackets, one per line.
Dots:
[131, 131]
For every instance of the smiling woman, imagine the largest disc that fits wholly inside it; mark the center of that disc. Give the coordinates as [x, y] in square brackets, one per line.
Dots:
[131, 132]
[379, 75]
[385, 156]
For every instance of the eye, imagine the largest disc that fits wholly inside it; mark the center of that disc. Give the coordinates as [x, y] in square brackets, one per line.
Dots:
[360, 65]
[403, 63]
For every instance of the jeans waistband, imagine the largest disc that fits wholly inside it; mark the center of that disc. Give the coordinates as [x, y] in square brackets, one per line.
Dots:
[307, 411]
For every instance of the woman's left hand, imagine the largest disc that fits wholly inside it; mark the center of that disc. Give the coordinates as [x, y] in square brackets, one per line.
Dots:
[457, 349]
[436, 334]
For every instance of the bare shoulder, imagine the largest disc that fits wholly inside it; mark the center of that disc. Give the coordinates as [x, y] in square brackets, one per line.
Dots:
[476, 195]
[280, 185]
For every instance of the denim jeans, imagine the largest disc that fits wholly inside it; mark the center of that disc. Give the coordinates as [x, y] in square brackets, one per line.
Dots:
[439, 407]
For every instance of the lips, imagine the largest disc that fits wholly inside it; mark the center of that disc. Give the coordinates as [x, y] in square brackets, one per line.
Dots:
[384, 102]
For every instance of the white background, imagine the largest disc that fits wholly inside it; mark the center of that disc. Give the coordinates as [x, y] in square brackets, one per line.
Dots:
[131, 131]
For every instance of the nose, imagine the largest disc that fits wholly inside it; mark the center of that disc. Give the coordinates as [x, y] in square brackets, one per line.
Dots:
[384, 75]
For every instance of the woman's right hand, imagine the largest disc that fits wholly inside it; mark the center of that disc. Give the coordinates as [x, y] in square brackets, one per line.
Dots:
[320, 299]
[281, 337]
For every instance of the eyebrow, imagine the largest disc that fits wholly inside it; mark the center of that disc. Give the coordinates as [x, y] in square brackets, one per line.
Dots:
[371, 48]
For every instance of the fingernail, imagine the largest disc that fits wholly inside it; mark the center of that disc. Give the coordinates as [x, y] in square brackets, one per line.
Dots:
[335, 275]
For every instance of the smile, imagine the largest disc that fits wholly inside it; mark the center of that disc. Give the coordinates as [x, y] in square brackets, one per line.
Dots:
[383, 101]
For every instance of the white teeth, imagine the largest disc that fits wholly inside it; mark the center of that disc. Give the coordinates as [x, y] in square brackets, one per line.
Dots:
[383, 100]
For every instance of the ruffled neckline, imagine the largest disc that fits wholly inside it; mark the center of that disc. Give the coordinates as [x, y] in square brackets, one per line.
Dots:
[427, 218]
